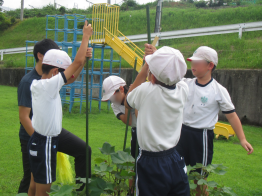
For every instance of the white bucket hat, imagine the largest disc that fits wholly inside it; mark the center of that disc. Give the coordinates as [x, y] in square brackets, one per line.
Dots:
[110, 85]
[57, 58]
[205, 53]
[167, 65]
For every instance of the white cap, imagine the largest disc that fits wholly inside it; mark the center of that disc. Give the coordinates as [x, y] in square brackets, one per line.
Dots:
[110, 85]
[57, 58]
[205, 53]
[167, 65]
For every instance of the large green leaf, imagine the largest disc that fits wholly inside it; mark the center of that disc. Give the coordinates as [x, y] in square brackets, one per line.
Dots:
[122, 157]
[21, 194]
[99, 160]
[192, 185]
[107, 149]
[103, 167]
[201, 182]
[126, 173]
[65, 190]
[97, 186]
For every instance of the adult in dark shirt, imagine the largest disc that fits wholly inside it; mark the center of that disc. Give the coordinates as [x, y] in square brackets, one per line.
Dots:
[68, 142]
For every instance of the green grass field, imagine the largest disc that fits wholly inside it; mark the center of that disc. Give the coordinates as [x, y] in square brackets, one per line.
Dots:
[244, 172]
[233, 52]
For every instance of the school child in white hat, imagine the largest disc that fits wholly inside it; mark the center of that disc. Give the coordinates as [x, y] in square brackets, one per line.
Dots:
[160, 102]
[115, 89]
[47, 109]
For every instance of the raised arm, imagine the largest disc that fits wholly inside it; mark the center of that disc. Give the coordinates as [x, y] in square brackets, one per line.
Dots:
[78, 71]
[80, 56]
[141, 78]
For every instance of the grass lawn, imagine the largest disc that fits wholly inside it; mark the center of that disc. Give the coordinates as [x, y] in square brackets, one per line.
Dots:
[244, 172]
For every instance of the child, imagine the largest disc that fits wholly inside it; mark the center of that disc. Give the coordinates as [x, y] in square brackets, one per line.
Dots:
[160, 103]
[47, 119]
[115, 90]
[206, 97]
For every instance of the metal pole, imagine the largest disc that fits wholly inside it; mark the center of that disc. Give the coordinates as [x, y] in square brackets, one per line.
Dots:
[148, 25]
[128, 114]
[22, 10]
[87, 146]
[158, 18]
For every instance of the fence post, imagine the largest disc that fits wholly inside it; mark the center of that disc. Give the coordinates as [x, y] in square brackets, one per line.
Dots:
[241, 26]
[2, 55]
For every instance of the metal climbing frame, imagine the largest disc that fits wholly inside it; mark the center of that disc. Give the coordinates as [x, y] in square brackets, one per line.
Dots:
[65, 34]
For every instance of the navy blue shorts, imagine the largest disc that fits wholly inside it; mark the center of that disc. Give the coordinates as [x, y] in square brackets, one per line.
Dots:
[161, 174]
[196, 146]
[42, 152]
[133, 143]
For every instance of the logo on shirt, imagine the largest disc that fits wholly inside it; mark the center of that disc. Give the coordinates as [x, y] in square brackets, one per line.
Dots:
[54, 146]
[204, 99]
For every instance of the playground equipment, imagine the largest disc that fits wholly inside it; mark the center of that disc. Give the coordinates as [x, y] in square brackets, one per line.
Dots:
[105, 19]
[64, 30]
[224, 129]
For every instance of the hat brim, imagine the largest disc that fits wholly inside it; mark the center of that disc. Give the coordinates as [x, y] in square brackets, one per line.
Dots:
[193, 58]
[106, 97]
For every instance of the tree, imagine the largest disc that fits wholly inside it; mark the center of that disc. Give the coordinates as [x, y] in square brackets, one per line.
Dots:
[62, 10]
[1, 2]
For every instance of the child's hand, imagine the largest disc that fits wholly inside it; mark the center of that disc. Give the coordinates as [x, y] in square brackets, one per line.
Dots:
[87, 30]
[149, 49]
[89, 52]
[247, 146]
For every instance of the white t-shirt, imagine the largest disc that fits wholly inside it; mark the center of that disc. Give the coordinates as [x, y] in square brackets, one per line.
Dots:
[46, 105]
[204, 102]
[120, 109]
[160, 114]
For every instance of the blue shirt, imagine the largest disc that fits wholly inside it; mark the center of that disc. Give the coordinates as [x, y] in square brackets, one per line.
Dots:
[25, 99]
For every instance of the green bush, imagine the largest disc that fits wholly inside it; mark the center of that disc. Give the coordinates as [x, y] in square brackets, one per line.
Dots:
[4, 22]
[201, 3]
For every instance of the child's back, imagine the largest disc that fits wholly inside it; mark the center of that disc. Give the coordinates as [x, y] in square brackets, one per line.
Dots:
[160, 115]
[160, 169]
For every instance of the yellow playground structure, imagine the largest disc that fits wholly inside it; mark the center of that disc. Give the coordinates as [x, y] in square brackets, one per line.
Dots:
[105, 20]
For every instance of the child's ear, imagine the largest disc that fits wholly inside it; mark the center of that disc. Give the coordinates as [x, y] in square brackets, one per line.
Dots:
[211, 65]
[40, 56]
[121, 88]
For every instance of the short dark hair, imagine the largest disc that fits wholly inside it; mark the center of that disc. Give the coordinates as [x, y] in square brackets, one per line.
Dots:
[46, 68]
[43, 46]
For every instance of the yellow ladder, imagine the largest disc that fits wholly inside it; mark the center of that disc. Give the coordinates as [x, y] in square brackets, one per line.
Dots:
[125, 48]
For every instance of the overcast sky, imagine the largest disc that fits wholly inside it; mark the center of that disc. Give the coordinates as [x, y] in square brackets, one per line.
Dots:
[67, 3]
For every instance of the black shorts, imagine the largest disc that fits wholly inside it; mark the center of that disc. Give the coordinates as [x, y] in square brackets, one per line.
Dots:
[133, 143]
[196, 146]
[161, 173]
[42, 152]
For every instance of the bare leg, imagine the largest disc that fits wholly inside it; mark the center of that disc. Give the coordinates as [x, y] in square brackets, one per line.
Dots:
[42, 189]
[32, 187]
